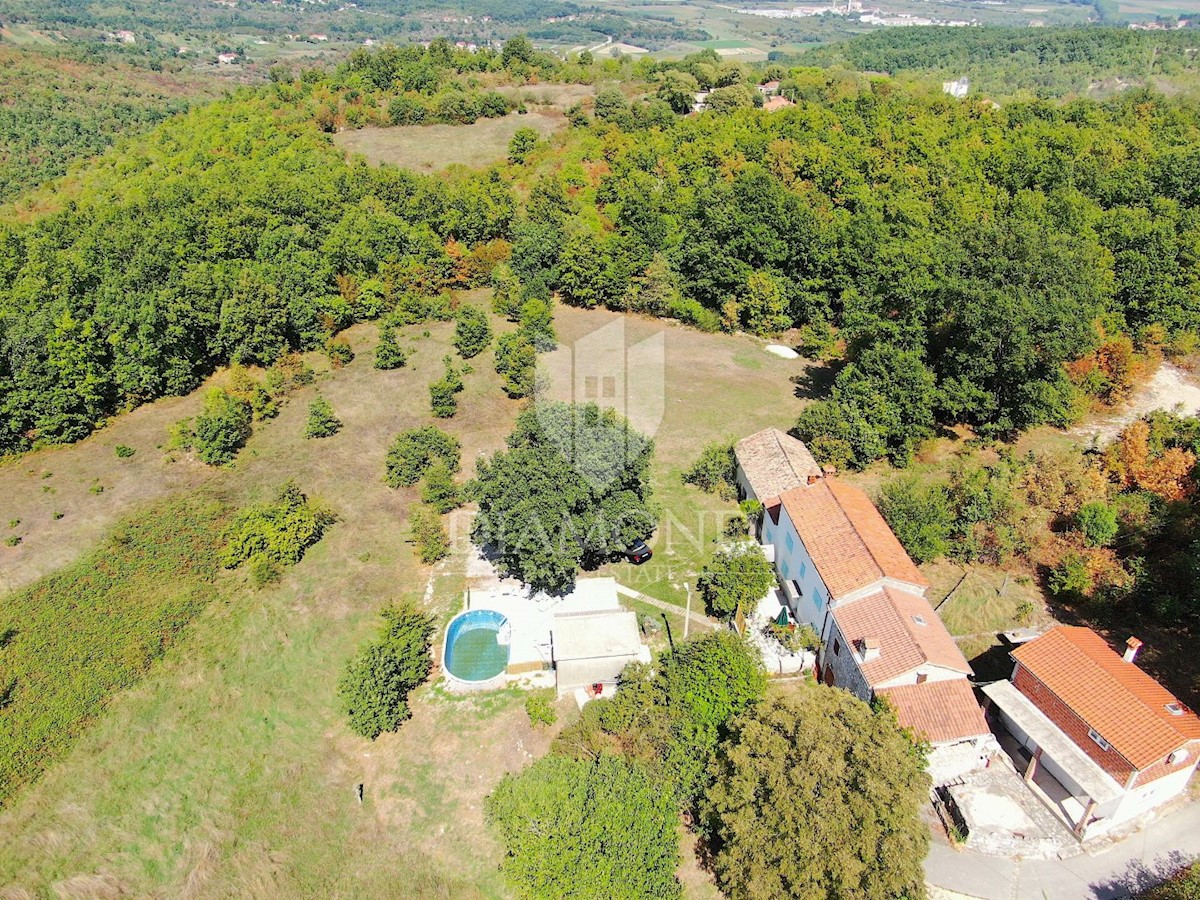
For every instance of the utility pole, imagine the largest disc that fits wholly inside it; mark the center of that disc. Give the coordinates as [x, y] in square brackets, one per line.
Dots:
[687, 616]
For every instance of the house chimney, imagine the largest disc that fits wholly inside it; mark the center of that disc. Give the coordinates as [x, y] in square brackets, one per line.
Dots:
[1132, 646]
[813, 479]
[869, 649]
[829, 471]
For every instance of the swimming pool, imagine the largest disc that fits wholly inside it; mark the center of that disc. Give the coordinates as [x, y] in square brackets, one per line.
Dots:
[477, 645]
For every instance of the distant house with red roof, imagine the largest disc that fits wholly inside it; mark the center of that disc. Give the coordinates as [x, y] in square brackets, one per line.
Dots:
[843, 571]
[773, 104]
[1117, 741]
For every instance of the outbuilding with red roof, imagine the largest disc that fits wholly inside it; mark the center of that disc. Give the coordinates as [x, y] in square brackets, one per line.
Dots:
[1117, 741]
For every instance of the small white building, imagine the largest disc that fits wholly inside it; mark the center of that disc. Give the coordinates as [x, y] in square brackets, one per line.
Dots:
[591, 648]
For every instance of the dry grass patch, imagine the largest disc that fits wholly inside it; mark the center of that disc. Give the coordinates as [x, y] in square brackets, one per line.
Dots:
[431, 148]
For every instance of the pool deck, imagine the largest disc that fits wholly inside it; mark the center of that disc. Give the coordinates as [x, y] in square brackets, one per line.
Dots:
[531, 615]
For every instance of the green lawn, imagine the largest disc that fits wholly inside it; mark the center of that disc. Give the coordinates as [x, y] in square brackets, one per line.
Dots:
[227, 770]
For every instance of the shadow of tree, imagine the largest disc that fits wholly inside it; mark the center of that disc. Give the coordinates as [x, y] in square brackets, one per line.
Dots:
[815, 382]
[1138, 876]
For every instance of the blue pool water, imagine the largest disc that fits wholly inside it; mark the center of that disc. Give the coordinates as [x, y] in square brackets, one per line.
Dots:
[473, 648]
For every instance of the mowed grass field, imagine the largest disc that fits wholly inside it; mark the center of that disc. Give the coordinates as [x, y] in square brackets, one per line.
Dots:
[228, 769]
[431, 148]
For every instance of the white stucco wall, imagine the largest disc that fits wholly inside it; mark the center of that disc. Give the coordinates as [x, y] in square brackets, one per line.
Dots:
[1141, 799]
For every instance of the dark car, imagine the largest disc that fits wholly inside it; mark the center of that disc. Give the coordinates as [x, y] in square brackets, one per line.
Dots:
[638, 552]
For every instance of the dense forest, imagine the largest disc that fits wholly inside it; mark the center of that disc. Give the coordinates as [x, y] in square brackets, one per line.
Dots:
[957, 255]
[1008, 62]
[61, 105]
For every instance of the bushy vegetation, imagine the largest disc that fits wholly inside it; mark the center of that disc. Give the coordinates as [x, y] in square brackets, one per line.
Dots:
[1112, 530]
[432, 542]
[588, 828]
[221, 428]
[73, 639]
[375, 687]
[388, 353]
[569, 492]
[472, 331]
[322, 421]
[413, 451]
[539, 706]
[854, 785]
[443, 393]
[735, 577]
[439, 490]
[671, 717]
[715, 471]
[275, 534]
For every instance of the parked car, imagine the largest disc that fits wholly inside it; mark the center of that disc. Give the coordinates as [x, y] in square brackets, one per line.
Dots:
[638, 552]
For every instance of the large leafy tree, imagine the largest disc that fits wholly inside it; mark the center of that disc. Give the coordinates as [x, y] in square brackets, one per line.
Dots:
[569, 492]
[815, 796]
[597, 829]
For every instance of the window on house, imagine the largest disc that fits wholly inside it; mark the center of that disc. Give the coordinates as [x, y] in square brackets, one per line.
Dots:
[837, 647]
[610, 387]
[803, 568]
[591, 387]
[1174, 709]
[1100, 742]
[920, 620]
[791, 545]
[922, 677]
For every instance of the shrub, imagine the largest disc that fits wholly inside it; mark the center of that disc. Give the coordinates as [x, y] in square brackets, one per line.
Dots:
[523, 142]
[539, 706]
[124, 452]
[388, 353]
[321, 420]
[430, 535]
[715, 471]
[222, 428]
[472, 333]
[536, 322]
[280, 530]
[516, 363]
[439, 489]
[1098, 523]
[1071, 576]
[591, 829]
[244, 387]
[339, 352]
[920, 515]
[375, 687]
[12, 540]
[443, 399]
[289, 372]
[412, 452]
[735, 576]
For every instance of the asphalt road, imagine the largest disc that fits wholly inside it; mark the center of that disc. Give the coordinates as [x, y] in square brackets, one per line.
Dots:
[1115, 871]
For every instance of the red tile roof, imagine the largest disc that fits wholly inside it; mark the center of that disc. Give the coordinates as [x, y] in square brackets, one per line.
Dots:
[1123, 704]
[893, 618]
[774, 462]
[940, 711]
[849, 542]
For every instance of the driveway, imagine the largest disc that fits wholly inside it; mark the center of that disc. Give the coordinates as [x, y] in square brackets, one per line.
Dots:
[1110, 872]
